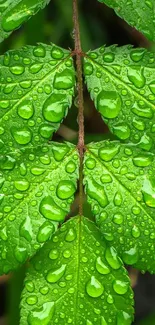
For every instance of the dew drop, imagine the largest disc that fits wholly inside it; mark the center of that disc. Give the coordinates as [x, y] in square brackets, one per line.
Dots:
[97, 192]
[90, 163]
[65, 189]
[59, 152]
[118, 218]
[106, 178]
[148, 191]
[22, 185]
[118, 199]
[41, 315]
[39, 51]
[35, 68]
[64, 79]
[120, 287]
[130, 256]
[25, 229]
[70, 167]
[109, 103]
[57, 53]
[108, 57]
[101, 267]
[55, 275]
[26, 110]
[135, 231]
[123, 318]
[50, 210]
[53, 254]
[103, 321]
[122, 131]
[137, 55]
[88, 69]
[7, 162]
[94, 288]
[108, 152]
[55, 108]
[20, 254]
[17, 69]
[46, 131]
[71, 235]
[112, 258]
[21, 136]
[135, 75]
[45, 231]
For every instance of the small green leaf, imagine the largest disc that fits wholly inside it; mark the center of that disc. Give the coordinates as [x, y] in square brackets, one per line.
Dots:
[15, 13]
[120, 186]
[36, 190]
[121, 81]
[76, 278]
[37, 85]
[138, 14]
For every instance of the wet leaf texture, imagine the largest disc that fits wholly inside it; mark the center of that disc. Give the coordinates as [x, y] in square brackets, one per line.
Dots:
[37, 85]
[15, 13]
[37, 187]
[138, 13]
[120, 186]
[121, 81]
[77, 278]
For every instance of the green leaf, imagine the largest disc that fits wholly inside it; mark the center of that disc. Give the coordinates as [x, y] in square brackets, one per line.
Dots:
[121, 81]
[14, 13]
[77, 279]
[37, 188]
[138, 14]
[120, 186]
[37, 85]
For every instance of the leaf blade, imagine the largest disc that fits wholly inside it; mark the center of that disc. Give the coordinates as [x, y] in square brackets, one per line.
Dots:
[73, 279]
[136, 14]
[120, 190]
[15, 13]
[37, 187]
[122, 87]
[36, 91]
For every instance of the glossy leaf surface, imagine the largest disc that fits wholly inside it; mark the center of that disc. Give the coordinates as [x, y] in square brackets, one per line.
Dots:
[76, 278]
[37, 85]
[16, 12]
[138, 14]
[37, 187]
[120, 186]
[121, 81]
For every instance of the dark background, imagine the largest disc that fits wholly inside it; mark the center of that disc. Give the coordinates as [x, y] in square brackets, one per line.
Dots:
[99, 25]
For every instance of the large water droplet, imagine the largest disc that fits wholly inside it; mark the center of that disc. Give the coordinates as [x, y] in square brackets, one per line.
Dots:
[123, 318]
[71, 235]
[39, 51]
[25, 110]
[57, 53]
[41, 315]
[21, 136]
[55, 275]
[25, 229]
[45, 231]
[108, 152]
[142, 111]
[122, 131]
[109, 103]
[101, 267]
[55, 108]
[135, 75]
[120, 287]
[64, 79]
[137, 55]
[20, 254]
[148, 191]
[94, 288]
[7, 162]
[22, 185]
[97, 192]
[65, 189]
[112, 258]
[50, 210]
[135, 231]
[103, 321]
[59, 152]
[130, 256]
[118, 199]
[17, 69]
[143, 161]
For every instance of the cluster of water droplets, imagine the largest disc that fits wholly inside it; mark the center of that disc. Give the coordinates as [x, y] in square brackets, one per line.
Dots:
[120, 186]
[102, 282]
[122, 84]
[37, 188]
[37, 84]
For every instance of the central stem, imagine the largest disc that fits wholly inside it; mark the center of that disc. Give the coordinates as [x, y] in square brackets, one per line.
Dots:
[78, 53]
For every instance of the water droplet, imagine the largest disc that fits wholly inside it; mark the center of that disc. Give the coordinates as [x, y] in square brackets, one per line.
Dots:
[55, 275]
[50, 210]
[108, 152]
[71, 235]
[25, 229]
[118, 199]
[148, 191]
[44, 290]
[90, 163]
[109, 103]
[46, 131]
[135, 231]
[118, 219]
[39, 51]
[130, 256]
[17, 69]
[66, 253]
[122, 131]
[3, 234]
[123, 318]
[145, 142]
[7, 162]
[55, 108]
[64, 79]
[89, 322]
[45, 231]
[112, 258]
[142, 111]
[139, 125]
[57, 53]
[70, 167]
[29, 285]
[35, 68]
[108, 57]
[94, 288]
[32, 300]
[106, 178]
[59, 152]
[20, 254]
[37, 171]
[26, 84]
[22, 169]
[65, 189]
[101, 267]
[53, 254]
[25, 110]
[41, 315]
[135, 75]
[137, 55]
[22, 185]
[21, 136]
[120, 287]
[97, 192]
[103, 321]
[88, 69]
